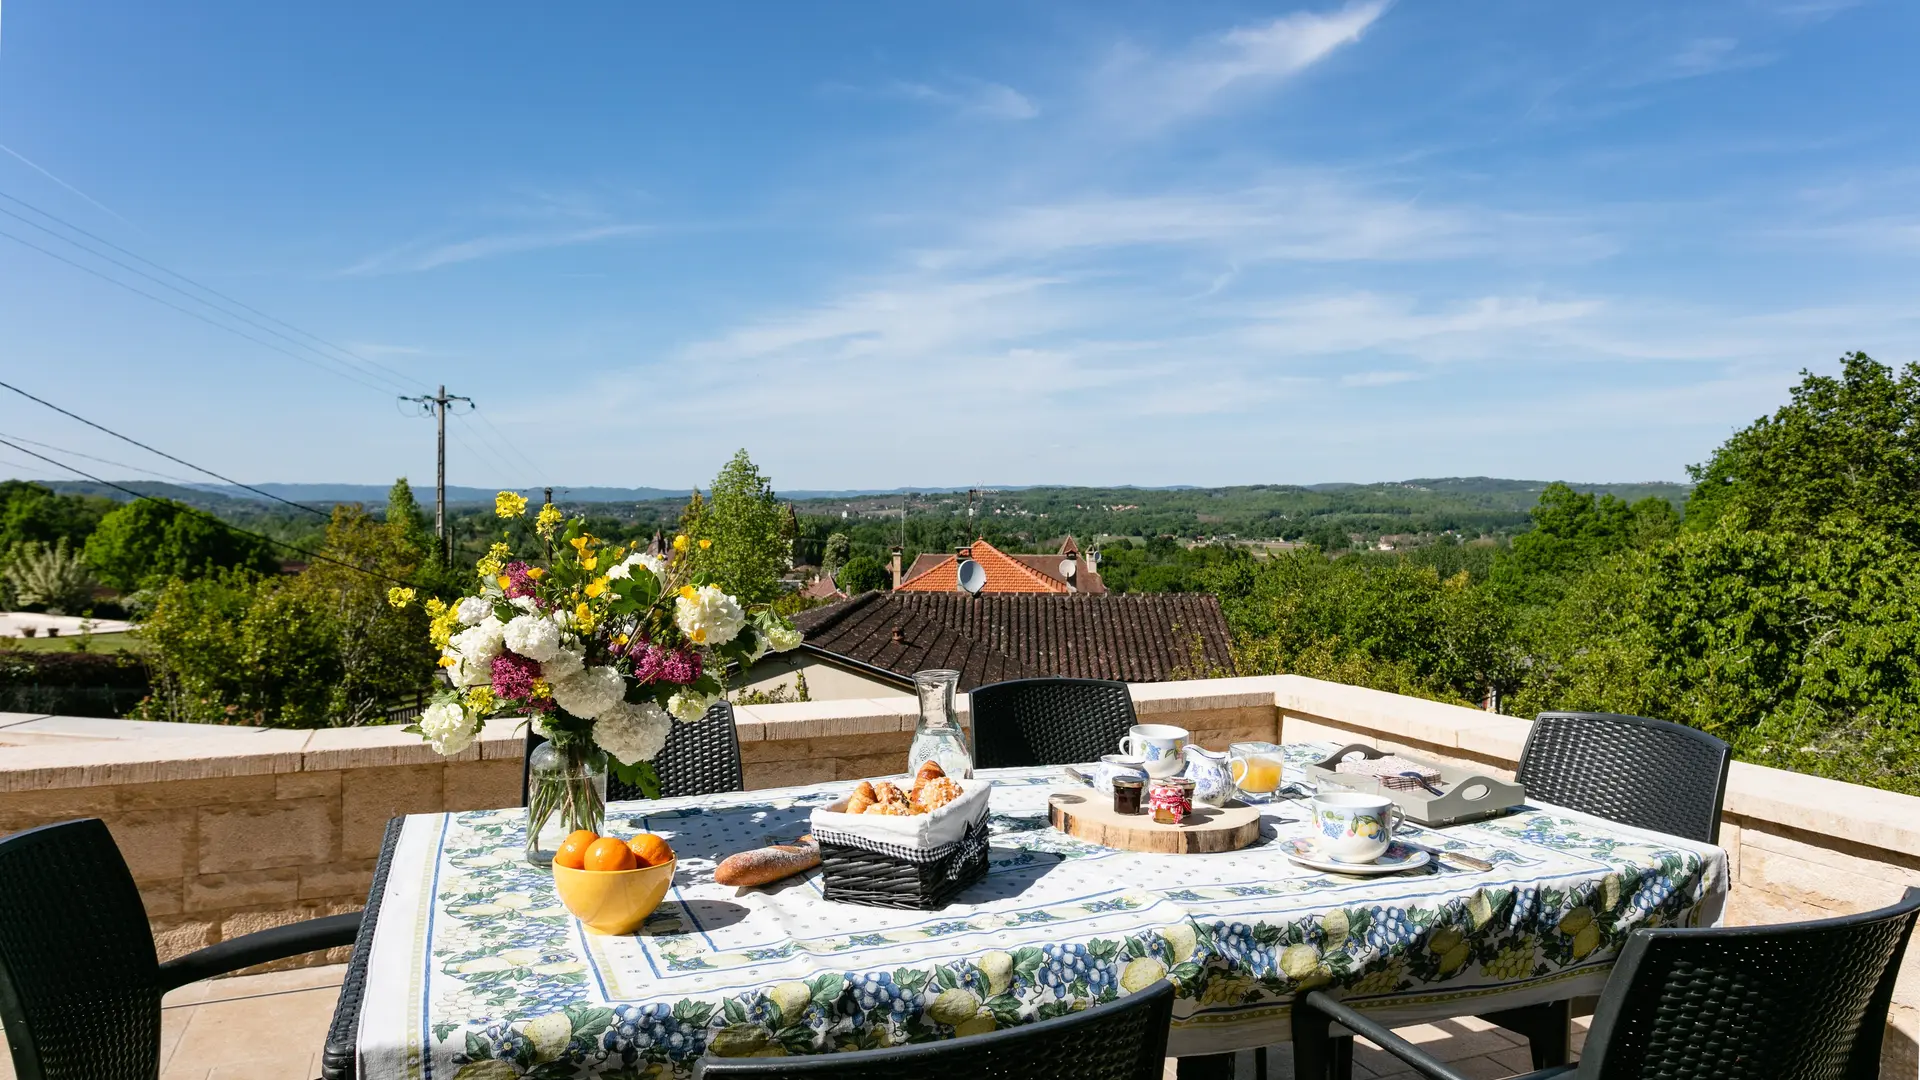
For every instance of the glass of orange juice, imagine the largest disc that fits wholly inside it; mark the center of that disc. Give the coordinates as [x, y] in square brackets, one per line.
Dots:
[1255, 767]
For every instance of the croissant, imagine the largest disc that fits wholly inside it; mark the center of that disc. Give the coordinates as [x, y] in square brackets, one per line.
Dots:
[863, 797]
[934, 794]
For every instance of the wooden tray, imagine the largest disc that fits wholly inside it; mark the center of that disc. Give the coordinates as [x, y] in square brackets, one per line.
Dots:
[1466, 794]
[1088, 815]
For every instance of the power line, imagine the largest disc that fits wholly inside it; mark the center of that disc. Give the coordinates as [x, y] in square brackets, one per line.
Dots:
[510, 444]
[485, 448]
[162, 453]
[179, 506]
[191, 313]
[101, 460]
[406, 380]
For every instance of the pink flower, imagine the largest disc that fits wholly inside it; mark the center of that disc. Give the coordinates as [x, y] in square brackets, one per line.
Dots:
[513, 676]
[680, 667]
[519, 582]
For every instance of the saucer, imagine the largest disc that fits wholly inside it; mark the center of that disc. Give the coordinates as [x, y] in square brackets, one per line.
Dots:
[1398, 857]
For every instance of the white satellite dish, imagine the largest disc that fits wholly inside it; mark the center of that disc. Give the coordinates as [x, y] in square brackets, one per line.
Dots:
[1068, 567]
[973, 577]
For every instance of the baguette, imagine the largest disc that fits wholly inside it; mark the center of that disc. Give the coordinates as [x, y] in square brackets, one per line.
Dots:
[763, 866]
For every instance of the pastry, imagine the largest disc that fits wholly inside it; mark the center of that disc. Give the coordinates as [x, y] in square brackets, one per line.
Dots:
[934, 794]
[863, 797]
[765, 865]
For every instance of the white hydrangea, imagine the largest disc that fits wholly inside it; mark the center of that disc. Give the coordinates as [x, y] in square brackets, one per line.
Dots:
[632, 733]
[470, 670]
[782, 638]
[447, 728]
[534, 637]
[565, 664]
[708, 617]
[690, 705]
[525, 603]
[586, 694]
[624, 567]
[474, 610]
[480, 642]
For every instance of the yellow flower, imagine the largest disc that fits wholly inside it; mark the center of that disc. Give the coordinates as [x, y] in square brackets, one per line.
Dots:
[688, 592]
[542, 689]
[536, 573]
[620, 639]
[434, 606]
[583, 619]
[399, 597]
[705, 544]
[447, 661]
[596, 587]
[589, 562]
[480, 699]
[680, 542]
[505, 581]
[509, 505]
[548, 522]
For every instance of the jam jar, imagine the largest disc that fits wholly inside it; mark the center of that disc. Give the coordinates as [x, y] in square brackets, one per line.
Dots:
[1127, 794]
[1171, 799]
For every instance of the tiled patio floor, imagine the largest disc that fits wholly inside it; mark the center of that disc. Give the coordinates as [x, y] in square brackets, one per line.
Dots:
[271, 1027]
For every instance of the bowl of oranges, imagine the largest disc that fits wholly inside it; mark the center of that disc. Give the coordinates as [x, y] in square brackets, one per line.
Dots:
[611, 885]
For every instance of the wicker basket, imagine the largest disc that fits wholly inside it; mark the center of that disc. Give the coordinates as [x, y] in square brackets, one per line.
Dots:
[857, 870]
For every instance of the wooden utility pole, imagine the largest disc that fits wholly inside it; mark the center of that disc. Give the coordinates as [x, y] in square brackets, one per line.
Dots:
[437, 407]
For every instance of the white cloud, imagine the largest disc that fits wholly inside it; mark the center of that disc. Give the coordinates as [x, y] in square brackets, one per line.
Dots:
[1144, 92]
[972, 97]
[422, 255]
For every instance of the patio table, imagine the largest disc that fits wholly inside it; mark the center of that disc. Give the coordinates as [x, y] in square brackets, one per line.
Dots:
[472, 970]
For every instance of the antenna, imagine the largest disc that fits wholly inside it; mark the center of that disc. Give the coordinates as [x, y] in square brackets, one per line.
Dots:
[973, 577]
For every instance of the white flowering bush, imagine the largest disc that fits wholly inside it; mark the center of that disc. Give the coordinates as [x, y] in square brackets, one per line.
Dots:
[602, 647]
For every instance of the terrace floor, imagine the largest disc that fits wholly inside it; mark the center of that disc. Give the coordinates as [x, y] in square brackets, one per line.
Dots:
[213, 1031]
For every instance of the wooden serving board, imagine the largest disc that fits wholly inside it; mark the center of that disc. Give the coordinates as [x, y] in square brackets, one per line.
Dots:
[1088, 815]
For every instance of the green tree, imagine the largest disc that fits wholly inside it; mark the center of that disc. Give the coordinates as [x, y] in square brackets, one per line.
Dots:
[747, 529]
[1849, 444]
[862, 573]
[835, 553]
[233, 647]
[151, 540]
[383, 651]
[30, 512]
[49, 576]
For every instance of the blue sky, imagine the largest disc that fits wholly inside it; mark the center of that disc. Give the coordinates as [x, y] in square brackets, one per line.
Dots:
[956, 243]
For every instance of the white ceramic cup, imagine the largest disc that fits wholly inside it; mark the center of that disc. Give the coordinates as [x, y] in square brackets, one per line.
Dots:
[1160, 746]
[1350, 827]
[1103, 772]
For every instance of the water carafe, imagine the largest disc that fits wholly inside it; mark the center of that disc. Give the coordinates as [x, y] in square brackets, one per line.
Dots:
[938, 737]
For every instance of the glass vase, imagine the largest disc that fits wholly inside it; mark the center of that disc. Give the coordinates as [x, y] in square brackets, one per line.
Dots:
[938, 736]
[566, 791]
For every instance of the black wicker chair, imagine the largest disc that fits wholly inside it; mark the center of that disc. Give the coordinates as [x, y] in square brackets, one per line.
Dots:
[1121, 1040]
[1647, 773]
[80, 983]
[701, 758]
[1048, 721]
[1800, 1001]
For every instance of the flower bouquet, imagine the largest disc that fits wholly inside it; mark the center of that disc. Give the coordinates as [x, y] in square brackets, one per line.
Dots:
[603, 648]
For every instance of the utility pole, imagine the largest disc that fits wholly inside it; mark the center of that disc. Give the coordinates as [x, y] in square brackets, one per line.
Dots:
[543, 506]
[436, 406]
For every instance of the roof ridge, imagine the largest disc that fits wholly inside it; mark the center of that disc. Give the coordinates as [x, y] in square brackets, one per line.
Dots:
[1036, 575]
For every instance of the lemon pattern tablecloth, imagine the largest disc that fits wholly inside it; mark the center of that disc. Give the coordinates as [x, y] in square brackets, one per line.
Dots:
[477, 972]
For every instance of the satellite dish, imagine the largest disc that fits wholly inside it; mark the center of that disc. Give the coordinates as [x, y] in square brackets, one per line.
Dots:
[973, 577]
[1068, 567]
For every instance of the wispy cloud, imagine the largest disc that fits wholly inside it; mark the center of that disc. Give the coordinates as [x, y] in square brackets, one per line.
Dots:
[91, 201]
[1147, 91]
[970, 97]
[422, 255]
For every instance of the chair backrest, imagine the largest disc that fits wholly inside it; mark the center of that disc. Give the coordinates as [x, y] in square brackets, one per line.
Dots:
[1799, 1001]
[1647, 773]
[1121, 1040]
[79, 979]
[701, 758]
[1048, 721]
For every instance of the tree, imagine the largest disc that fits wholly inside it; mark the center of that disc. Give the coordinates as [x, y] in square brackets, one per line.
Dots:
[407, 521]
[1846, 444]
[746, 527]
[30, 512]
[383, 651]
[862, 573]
[835, 553]
[236, 648]
[50, 576]
[151, 540]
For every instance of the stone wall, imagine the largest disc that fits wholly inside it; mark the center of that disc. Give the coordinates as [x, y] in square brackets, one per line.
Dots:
[233, 830]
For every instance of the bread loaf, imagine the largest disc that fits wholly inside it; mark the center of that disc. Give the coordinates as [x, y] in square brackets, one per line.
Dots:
[762, 866]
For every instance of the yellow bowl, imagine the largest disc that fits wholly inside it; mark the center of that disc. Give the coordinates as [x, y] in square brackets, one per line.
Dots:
[613, 901]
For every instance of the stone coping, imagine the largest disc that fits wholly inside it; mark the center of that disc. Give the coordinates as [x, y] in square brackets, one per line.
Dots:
[1812, 805]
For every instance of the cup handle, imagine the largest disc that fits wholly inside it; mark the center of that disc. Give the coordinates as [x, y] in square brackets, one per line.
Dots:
[1127, 749]
[1396, 817]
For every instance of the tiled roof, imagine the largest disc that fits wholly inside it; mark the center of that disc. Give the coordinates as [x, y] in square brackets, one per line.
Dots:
[1142, 637]
[1005, 573]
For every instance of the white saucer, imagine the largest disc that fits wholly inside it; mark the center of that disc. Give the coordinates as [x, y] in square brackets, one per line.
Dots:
[1399, 857]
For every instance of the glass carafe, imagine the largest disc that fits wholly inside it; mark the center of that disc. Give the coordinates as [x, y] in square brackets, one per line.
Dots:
[939, 737]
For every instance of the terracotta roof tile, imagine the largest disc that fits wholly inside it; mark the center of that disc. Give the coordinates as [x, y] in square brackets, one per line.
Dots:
[1136, 638]
[1005, 574]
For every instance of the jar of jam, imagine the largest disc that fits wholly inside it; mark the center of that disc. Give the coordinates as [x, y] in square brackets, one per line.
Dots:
[1171, 799]
[1127, 794]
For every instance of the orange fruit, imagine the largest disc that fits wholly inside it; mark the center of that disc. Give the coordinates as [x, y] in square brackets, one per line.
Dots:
[650, 850]
[573, 850]
[609, 853]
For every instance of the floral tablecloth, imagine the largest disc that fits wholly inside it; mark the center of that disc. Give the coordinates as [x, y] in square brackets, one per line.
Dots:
[477, 973]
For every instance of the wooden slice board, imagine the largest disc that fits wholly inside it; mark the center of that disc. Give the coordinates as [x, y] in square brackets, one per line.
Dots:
[1088, 815]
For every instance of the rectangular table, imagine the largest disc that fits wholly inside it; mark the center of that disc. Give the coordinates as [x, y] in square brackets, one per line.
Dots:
[473, 970]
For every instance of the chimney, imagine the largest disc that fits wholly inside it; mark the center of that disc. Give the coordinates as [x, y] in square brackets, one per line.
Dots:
[898, 637]
[963, 552]
[896, 567]
[1071, 567]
